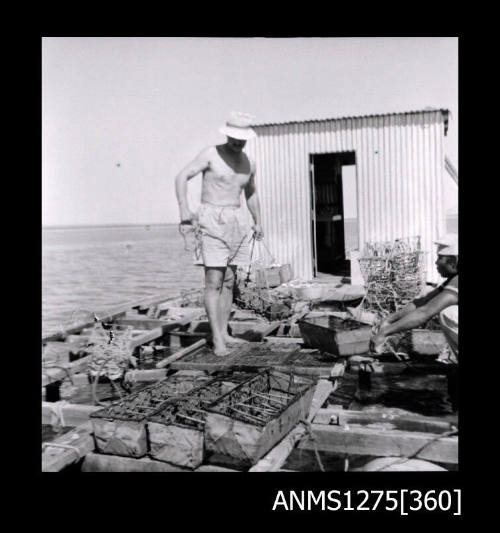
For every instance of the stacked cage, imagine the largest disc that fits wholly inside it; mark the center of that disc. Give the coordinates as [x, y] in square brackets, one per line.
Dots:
[393, 273]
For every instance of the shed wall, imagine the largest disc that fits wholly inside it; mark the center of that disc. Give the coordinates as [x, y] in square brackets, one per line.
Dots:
[399, 169]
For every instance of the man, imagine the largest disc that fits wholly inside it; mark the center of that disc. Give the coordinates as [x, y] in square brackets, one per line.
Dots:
[442, 300]
[220, 222]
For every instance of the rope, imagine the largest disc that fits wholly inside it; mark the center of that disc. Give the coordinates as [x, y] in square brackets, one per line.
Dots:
[196, 230]
[197, 233]
[64, 446]
[273, 259]
[310, 434]
[95, 383]
[404, 459]
[247, 279]
[46, 366]
[56, 409]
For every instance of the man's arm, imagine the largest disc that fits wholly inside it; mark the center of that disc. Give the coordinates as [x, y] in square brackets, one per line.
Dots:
[200, 164]
[254, 205]
[415, 318]
[412, 306]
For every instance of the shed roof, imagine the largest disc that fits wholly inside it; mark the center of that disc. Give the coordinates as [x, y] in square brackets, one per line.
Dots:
[444, 112]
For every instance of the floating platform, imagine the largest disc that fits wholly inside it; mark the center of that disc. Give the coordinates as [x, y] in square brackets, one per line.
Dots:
[355, 406]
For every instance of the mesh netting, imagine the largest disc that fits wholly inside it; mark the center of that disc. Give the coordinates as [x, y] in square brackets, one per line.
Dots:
[393, 273]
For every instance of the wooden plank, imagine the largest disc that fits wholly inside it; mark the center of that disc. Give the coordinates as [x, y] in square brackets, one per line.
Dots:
[342, 417]
[273, 326]
[141, 322]
[59, 351]
[381, 443]
[51, 375]
[112, 314]
[148, 336]
[284, 340]
[55, 458]
[73, 414]
[252, 356]
[153, 334]
[146, 375]
[181, 353]
[384, 366]
[249, 330]
[107, 317]
[94, 462]
[160, 300]
[318, 371]
[275, 459]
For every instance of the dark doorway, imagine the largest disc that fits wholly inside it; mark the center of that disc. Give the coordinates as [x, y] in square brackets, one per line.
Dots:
[329, 248]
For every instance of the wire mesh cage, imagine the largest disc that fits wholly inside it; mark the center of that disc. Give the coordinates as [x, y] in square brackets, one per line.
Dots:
[393, 273]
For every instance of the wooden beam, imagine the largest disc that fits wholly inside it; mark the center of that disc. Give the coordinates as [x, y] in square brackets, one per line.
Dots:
[140, 322]
[51, 375]
[181, 353]
[273, 326]
[275, 459]
[284, 340]
[73, 414]
[79, 441]
[316, 371]
[146, 375]
[94, 462]
[148, 336]
[381, 443]
[161, 300]
[112, 314]
[152, 334]
[342, 417]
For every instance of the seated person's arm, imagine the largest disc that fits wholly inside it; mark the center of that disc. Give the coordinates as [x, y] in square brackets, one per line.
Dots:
[421, 314]
[412, 306]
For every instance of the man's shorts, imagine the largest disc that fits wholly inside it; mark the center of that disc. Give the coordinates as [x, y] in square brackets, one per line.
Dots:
[225, 236]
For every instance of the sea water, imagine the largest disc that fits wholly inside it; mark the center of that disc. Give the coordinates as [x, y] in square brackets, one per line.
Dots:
[91, 269]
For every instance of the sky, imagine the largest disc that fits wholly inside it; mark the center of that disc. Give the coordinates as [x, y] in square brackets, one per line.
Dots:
[121, 116]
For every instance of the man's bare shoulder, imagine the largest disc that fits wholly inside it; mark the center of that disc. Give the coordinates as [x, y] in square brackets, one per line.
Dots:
[207, 153]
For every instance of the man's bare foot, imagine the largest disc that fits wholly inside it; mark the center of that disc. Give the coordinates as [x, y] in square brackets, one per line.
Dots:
[220, 349]
[228, 339]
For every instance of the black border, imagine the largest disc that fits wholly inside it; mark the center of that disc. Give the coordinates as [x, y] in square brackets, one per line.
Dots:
[212, 496]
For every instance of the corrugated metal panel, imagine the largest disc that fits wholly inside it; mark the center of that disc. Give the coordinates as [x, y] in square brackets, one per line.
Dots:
[445, 113]
[450, 168]
[399, 170]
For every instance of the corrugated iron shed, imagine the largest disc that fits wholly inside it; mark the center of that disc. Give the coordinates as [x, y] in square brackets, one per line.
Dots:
[399, 162]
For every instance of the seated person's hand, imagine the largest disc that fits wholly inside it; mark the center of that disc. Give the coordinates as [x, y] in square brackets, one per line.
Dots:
[377, 343]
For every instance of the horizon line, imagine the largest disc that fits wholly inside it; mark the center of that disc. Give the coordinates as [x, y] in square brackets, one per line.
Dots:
[76, 226]
[138, 224]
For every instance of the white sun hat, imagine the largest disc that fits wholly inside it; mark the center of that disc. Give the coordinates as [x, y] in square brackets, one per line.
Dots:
[447, 244]
[237, 126]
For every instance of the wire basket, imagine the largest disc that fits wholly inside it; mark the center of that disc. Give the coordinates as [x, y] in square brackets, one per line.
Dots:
[393, 273]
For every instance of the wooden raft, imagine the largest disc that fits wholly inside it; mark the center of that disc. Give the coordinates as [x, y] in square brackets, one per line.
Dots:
[258, 355]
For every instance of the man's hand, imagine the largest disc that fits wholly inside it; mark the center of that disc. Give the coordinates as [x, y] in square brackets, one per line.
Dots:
[188, 217]
[384, 322]
[258, 233]
[377, 343]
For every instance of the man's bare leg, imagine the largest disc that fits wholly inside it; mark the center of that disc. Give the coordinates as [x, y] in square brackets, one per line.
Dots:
[214, 277]
[225, 304]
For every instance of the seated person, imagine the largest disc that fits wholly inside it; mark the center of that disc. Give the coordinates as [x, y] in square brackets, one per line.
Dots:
[443, 301]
